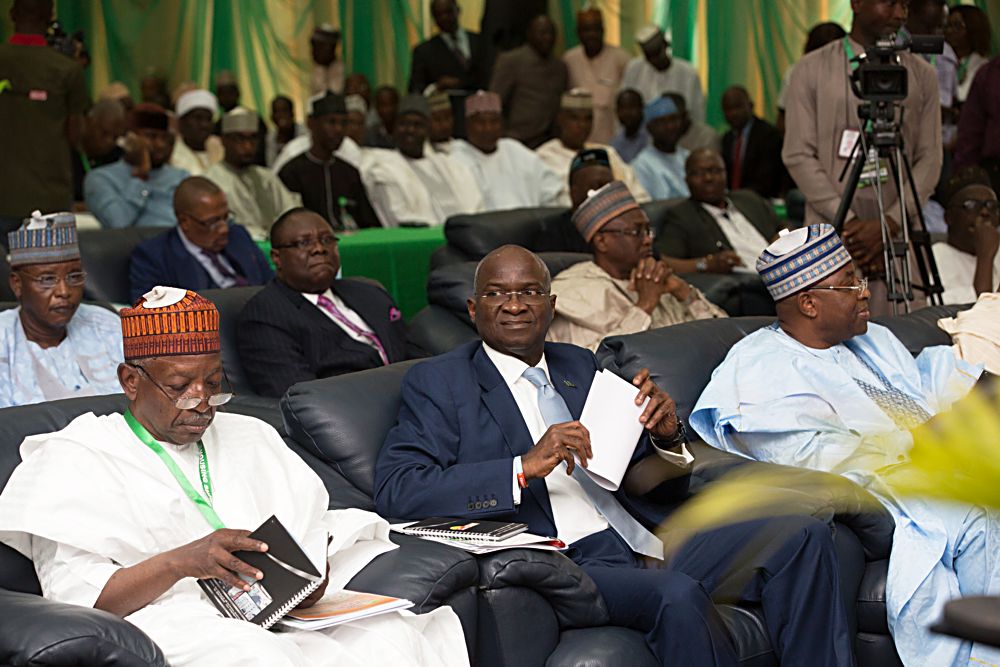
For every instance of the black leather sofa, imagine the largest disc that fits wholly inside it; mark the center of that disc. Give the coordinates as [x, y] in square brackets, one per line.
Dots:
[105, 254]
[40, 633]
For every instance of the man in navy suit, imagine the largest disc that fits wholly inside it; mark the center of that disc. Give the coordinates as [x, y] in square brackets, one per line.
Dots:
[491, 430]
[307, 324]
[206, 250]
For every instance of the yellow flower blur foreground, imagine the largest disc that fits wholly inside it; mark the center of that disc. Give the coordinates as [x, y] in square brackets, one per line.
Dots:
[956, 456]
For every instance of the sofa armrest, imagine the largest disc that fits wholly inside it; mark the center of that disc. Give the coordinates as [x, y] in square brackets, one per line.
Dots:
[424, 572]
[819, 494]
[528, 593]
[37, 632]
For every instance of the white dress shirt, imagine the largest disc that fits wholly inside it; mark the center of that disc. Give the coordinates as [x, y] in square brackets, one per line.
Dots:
[350, 314]
[743, 236]
[574, 513]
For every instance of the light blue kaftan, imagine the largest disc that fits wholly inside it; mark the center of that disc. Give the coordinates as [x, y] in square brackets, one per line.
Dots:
[84, 364]
[774, 399]
[662, 174]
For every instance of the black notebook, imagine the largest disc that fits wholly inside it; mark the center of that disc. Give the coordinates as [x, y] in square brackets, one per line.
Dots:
[466, 529]
[289, 576]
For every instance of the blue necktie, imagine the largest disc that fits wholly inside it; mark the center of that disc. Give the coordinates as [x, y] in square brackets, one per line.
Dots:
[554, 411]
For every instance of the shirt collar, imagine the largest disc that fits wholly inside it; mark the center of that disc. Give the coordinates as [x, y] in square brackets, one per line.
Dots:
[718, 211]
[314, 298]
[511, 368]
[189, 244]
[26, 39]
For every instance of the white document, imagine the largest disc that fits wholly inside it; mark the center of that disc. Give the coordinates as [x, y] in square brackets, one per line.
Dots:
[612, 417]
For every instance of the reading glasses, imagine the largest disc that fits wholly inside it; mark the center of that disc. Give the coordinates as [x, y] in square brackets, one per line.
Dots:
[530, 297]
[50, 280]
[189, 402]
[325, 240]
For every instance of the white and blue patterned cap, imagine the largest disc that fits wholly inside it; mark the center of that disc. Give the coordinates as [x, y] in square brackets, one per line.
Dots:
[44, 239]
[800, 259]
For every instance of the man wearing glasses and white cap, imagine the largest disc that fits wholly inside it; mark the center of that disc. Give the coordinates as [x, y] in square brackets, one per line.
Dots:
[126, 512]
[51, 346]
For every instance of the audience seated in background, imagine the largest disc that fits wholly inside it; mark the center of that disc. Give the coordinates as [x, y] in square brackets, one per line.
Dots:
[624, 289]
[441, 124]
[926, 17]
[968, 263]
[509, 174]
[656, 72]
[153, 88]
[256, 196]
[196, 149]
[102, 126]
[415, 184]
[529, 81]
[350, 146]
[979, 124]
[714, 230]
[596, 67]
[40, 114]
[327, 69]
[378, 133]
[327, 184]
[119, 92]
[51, 345]
[285, 128]
[204, 251]
[227, 91]
[454, 59]
[573, 124]
[697, 133]
[660, 165]
[819, 36]
[967, 31]
[751, 148]
[632, 137]
[137, 190]
[822, 388]
[497, 421]
[308, 324]
[590, 170]
[106, 511]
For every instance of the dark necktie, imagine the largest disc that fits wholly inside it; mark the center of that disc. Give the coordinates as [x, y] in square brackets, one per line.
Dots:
[326, 304]
[736, 178]
[213, 257]
[905, 412]
[554, 411]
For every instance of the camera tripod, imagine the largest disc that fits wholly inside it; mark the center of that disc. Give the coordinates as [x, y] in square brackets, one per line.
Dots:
[880, 139]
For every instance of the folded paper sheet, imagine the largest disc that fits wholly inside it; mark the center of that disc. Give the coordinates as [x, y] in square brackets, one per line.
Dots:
[612, 417]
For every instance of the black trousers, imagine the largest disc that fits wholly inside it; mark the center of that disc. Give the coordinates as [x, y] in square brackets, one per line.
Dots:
[786, 565]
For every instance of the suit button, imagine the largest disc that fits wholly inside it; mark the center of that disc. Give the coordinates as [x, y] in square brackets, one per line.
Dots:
[471, 506]
[479, 505]
[493, 503]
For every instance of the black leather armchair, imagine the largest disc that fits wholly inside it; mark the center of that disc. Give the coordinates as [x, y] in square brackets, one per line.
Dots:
[105, 254]
[681, 360]
[230, 303]
[36, 631]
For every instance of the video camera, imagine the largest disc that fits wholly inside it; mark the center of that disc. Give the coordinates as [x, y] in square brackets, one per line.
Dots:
[880, 77]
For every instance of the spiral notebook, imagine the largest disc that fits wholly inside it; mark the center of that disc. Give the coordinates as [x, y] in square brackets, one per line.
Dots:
[464, 529]
[289, 576]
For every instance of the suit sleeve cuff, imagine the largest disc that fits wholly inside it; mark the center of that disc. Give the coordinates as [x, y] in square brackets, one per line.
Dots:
[516, 488]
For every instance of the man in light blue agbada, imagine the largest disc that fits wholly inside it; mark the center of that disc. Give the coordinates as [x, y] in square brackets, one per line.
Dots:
[660, 165]
[51, 346]
[825, 389]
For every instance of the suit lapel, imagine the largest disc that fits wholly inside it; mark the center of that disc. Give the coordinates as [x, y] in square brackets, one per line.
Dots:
[708, 223]
[502, 407]
[184, 264]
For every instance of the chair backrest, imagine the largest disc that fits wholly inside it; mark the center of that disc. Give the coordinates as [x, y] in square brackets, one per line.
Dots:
[105, 254]
[437, 330]
[537, 229]
[230, 303]
[343, 420]
[656, 211]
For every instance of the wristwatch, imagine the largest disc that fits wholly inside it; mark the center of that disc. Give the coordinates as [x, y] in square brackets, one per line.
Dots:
[701, 266]
[680, 437]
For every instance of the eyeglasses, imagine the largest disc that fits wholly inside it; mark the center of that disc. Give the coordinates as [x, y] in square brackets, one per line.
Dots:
[634, 233]
[992, 206]
[859, 288]
[48, 281]
[214, 223]
[707, 171]
[305, 243]
[189, 402]
[529, 297]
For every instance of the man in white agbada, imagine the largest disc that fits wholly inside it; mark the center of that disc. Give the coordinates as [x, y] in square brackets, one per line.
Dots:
[656, 72]
[414, 183]
[574, 122]
[509, 174]
[825, 389]
[109, 525]
[197, 148]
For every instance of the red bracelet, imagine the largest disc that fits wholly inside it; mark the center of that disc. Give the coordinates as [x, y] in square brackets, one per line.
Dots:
[522, 481]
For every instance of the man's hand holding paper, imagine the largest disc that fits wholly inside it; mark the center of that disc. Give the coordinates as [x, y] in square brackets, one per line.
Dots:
[569, 442]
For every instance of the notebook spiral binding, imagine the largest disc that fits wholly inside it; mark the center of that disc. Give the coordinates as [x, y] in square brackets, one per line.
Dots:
[280, 612]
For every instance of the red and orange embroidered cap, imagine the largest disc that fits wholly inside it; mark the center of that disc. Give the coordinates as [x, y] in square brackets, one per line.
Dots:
[168, 321]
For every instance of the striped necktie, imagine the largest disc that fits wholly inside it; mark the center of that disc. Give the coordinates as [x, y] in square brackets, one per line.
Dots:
[554, 411]
[213, 257]
[326, 304]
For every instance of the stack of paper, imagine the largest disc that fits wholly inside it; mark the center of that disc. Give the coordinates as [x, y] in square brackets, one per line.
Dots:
[612, 418]
[340, 608]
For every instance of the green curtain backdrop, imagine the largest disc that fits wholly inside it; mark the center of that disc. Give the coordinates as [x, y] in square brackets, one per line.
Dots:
[265, 43]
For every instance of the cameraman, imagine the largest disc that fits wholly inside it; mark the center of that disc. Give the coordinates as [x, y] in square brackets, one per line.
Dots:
[42, 98]
[822, 127]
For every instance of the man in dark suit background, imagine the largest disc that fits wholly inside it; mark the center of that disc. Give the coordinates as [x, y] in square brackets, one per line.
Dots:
[307, 324]
[751, 148]
[491, 430]
[205, 250]
[715, 231]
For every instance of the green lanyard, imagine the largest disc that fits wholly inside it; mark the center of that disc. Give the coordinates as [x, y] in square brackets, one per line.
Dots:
[204, 506]
[850, 55]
